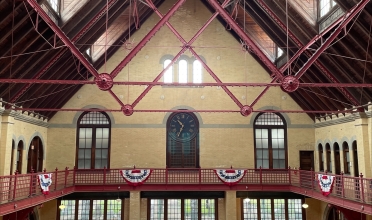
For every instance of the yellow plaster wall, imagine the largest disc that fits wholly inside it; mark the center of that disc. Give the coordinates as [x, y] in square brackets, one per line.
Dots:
[222, 143]
[16, 129]
[48, 211]
[357, 127]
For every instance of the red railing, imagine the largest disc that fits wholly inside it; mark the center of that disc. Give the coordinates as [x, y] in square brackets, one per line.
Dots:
[21, 186]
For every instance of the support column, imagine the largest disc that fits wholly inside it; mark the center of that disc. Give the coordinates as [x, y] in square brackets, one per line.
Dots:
[363, 145]
[6, 132]
[135, 205]
[230, 205]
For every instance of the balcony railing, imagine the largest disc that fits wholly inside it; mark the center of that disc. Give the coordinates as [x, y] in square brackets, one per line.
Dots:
[22, 186]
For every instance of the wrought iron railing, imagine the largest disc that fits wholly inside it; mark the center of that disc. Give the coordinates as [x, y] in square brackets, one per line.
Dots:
[21, 186]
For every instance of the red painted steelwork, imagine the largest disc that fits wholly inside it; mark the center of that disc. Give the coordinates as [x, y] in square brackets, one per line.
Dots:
[186, 45]
[174, 110]
[299, 44]
[147, 38]
[57, 56]
[312, 41]
[133, 83]
[348, 192]
[63, 37]
[249, 42]
[348, 17]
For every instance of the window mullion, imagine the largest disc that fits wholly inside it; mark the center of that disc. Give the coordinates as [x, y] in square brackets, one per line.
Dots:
[286, 208]
[272, 210]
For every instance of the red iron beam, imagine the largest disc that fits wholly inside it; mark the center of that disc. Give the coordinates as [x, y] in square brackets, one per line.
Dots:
[63, 37]
[252, 46]
[175, 110]
[137, 83]
[16, 97]
[312, 41]
[299, 44]
[348, 17]
[232, 96]
[147, 38]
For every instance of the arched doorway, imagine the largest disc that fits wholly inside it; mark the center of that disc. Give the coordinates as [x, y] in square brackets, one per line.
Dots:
[19, 157]
[35, 155]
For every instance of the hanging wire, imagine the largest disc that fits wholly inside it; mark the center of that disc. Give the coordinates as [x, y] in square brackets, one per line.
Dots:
[106, 35]
[365, 63]
[286, 18]
[11, 50]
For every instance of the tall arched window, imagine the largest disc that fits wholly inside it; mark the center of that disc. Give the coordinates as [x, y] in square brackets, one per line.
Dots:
[183, 141]
[345, 147]
[355, 159]
[197, 72]
[336, 150]
[270, 135]
[35, 155]
[328, 158]
[93, 142]
[182, 71]
[19, 156]
[168, 74]
[321, 157]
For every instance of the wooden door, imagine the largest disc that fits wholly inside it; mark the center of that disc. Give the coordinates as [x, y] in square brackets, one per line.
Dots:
[307, 160]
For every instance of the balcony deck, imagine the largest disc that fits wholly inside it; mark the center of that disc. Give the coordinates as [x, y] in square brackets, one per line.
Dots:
[22, 191]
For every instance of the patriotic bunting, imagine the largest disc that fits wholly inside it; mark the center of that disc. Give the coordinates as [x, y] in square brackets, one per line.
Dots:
[326, 183]
[135, 177]
[45, 180]
[230, 177]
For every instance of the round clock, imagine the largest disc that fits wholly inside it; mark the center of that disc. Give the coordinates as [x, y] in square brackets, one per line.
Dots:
[182, 126]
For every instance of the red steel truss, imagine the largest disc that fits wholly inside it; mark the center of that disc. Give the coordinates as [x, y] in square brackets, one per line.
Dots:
[330, 76]
[21, 191]
[139, 83]
[58, 55]
[348, 17]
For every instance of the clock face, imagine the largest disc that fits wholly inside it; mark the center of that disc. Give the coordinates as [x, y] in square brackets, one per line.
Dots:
[182, 127]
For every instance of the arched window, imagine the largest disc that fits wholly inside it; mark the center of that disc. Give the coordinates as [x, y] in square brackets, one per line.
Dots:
[183, 141]
[355, 159]
[168, 74]
[321, 157]
[197, 72]
[270, 141]
[182, 71]
[336, 150]
[328, 158]
[35, 155]
[345, 147]
[19, 156]
[12, 158]
[93, 142]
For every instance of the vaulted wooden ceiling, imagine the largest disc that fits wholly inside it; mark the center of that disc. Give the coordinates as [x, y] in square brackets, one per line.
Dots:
[31, 50]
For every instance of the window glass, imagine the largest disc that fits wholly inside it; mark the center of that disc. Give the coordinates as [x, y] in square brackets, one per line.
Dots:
[93, 153]
[114, 209]
[182, 71]
[265, 209]
[168, 74]
[294, 209]
[250, 209]
[191, 209]
[55, 5]
[69, 211]
[174, 209]
[208, 209]
[156, 209]
[83, 209]
[197, 72]
[270, 147]
[279, 209]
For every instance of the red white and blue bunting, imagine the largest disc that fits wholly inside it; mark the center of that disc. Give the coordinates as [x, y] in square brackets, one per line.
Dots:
[230, 177]
[326, 183]
[45, 180]
[135, 177]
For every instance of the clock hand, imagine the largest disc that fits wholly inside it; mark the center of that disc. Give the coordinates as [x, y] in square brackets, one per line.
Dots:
[180, 123]
[180, 131]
